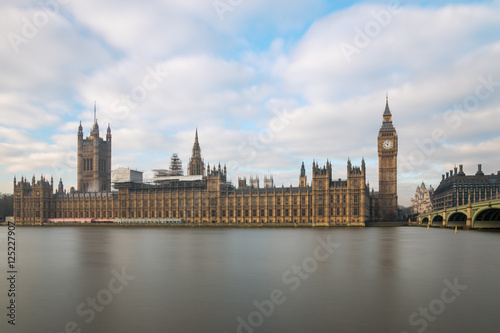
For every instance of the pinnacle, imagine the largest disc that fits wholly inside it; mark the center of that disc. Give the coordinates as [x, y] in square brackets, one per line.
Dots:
[387, 111]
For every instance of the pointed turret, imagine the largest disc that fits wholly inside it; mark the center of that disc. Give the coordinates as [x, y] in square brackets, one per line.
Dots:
[95, 131]
[387, 111]
[387, 116]
[196, 166]
[95, 128]
[108, 133]
[60, 187]
[303, 177]
[80, 131]
[196, 143]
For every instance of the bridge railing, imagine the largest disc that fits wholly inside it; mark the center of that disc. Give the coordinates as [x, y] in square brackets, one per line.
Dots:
[486, 199]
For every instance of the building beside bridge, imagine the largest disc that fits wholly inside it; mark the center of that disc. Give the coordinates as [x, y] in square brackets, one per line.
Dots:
[206, 196]
[456, 187]
[469, 201]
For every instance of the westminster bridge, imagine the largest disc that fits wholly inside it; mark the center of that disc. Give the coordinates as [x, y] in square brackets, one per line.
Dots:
[485, 214]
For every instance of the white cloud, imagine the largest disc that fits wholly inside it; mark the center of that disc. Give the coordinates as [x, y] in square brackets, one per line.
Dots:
[227, 77]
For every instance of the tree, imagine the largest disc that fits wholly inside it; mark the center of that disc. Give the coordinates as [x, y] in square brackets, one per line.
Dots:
[6, 205]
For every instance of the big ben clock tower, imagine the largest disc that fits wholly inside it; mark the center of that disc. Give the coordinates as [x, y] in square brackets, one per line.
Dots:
[388, 167]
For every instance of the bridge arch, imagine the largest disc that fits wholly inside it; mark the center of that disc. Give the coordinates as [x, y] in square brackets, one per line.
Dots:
[425, 221]
[487, 218]
[457, 219]
[437, 220]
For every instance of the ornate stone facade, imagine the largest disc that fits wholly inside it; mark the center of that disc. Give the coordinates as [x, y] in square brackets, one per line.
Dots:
[205, 200]
[210, 198]
[422, 202]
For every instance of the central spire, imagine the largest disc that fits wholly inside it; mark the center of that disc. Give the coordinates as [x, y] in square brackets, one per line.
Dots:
[196, 165]
[387, 111]
[387, 116]
[196, 144]
[95, 128]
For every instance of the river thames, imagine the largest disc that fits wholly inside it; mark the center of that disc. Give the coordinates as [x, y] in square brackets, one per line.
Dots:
[400, 279]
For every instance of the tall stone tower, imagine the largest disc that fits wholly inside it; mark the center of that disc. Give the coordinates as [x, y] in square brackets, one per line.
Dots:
[94, 160]
[320, 184]
[196, 166]
[388, 167]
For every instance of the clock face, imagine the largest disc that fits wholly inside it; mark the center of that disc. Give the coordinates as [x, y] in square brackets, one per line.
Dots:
[387, 144]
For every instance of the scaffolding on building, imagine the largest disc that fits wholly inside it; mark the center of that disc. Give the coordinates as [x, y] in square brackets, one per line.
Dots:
[175, 166]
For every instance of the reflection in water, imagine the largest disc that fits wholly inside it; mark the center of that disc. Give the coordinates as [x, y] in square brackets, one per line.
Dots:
[223, 280]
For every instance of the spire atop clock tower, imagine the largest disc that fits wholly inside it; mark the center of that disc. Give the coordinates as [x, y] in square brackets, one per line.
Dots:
[387, 112]
[387, 117]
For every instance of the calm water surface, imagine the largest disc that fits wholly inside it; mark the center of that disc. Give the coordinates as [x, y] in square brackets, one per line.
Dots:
[225, 280]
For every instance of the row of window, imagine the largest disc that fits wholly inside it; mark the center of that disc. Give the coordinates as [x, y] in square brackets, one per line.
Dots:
[82, 205]
[88, 164]
[175, 203]
[461, 197]
[255, 201]
[339, 211]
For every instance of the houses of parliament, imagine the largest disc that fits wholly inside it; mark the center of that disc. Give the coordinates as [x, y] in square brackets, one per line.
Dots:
[206, 196]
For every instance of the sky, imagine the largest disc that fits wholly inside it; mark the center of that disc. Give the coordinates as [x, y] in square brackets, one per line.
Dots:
[268, 85]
